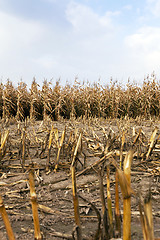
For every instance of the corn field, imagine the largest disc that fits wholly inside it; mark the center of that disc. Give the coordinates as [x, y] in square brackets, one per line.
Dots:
[80, 100]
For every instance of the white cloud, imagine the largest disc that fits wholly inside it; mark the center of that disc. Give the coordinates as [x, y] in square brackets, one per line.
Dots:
[144, 48]
[145, 40]
[87, 45]
[154, 7]
[85, 20]
[46, 61]
[106, 20]
[17, 33]
[19, 42]
[127, 7]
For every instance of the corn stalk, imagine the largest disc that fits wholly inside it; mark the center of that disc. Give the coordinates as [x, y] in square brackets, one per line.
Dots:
[109, 204]
[6, 220]
[117, 210]
[104, 210]
[125, 183]
[74, 189]
[49, 148]
[37, 233]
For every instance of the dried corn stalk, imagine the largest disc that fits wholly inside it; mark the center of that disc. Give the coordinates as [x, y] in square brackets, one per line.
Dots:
[3, 139]
[122, 146]
[145, 207]
[75, 195]
[127, 201]
[117, 210]
[125, 181]
[109, 204]
[37, 233]
[152, 139]
[59, 148]
[104, 210]
[6, 220]
[49, 148]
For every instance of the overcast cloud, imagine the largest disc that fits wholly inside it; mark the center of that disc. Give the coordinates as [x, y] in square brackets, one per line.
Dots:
[88, 39]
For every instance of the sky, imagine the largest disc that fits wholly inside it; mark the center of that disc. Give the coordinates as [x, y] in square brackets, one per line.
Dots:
[86, 39]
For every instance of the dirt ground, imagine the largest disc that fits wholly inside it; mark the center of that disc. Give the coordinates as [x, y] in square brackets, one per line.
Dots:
[54, 189]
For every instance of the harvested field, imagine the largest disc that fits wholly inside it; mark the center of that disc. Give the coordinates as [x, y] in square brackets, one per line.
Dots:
[91, 149]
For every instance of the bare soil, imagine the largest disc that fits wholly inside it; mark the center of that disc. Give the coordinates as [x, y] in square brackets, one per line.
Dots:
[54, 189]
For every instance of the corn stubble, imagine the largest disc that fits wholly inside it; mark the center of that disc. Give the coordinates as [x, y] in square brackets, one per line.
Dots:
[145, 208]
[37, 233]
[75, 195]
[6, 220]
[125, 187]
[108, 225]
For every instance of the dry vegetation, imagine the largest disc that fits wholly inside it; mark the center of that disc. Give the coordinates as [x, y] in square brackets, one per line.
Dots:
[79, 100]
[70, 171]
